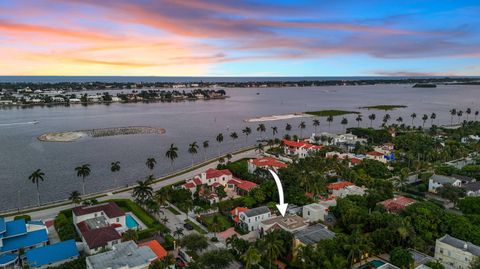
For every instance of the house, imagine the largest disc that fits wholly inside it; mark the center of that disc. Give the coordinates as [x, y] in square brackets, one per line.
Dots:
[240, 187]
[235, 213]
[455, 253]
[312, 235]
[353, 159]
[342, 189]
[376, 156]
[126, 255]
[289, 223]
[158, 249]
[470, 138]
[100, 226]
[420, 259]
[19, 234]
[348, 141]
[52, 255]
[299, 149]
[251, 219]
[460, 163]
[437, 181]
[397, 203]
[318, 211]
[472, 189]
[265, 163]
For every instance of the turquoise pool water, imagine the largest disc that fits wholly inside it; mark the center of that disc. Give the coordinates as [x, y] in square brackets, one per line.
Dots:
[131, 222]
[374, 264]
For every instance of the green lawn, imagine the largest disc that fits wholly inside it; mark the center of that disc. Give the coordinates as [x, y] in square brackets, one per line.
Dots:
[173, 210]
[383, 107]
[196, 227]
[220, 220]
[332, 112]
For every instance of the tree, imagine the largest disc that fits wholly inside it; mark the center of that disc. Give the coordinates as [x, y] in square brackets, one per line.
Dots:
[215, 259]
[424, 119]
[261, 128]
[344, 122]
[115, 167]
[205, 144]
[75, 197]
[357, 246]
[433, 116]
[438, 265]
[475, 264]
[259, 148]
[453, 112]
[172, 154]
[142, 192]
[451, 193]
[194, 242]
[302, 126]
[288, 127]
[316, 123]
[251, 257]
[371, 117]
[459, 115]
[386, 118]
[413, 116]
[233, 136]
[358, 119]
[130, 235]
[178, 233]
[161, 196]
[246, 131]
[151, 162]
[272, 247]
[164, 263]
[401, 257]
[468, 112]
[219, 139]
[274, 131]
[476, 115]
[329, 120]
[193, 149]
[36, 177]
[83, 171]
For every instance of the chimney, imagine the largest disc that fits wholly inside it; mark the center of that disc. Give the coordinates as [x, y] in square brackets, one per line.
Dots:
[465, 246]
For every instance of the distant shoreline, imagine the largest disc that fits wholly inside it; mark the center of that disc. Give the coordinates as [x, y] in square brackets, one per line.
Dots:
[101, 132]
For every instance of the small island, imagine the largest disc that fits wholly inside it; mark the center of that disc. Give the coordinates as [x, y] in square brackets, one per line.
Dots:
[383, 107]
[332, 112]
[425, 85]
[101, 132]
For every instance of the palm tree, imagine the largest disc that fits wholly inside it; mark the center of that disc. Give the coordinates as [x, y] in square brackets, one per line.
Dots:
[233, 136]
[259, 148]
[274, 131]
[261, 128]
[172, 154]
[151, 162]
[83, 171]
[371, 117]
[130, 235]
[75, 197]
[272, 247]
[453, 112]
[161, 196]
[424, 119]
[115, 167]
[413, 116]
[459, 114]
[142, 192]
[288, 127]
[359, 119]
[219, 139]
[329, 120]
[246, 131]
[433, 116]
[476, 115]
[302, 126]
[193, 149]
[468, 112]
[316, 123]
[386, 118]
[36, 177]
[205, 144]
[399, 120]
[251, 257]
[344, 122]
[356, 246]
[178, 233]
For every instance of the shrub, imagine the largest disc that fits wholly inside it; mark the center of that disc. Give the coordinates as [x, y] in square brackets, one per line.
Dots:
[64, 226]
[25, 217]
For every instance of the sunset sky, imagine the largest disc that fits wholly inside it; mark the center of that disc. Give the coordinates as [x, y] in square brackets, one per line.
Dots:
[240, 38]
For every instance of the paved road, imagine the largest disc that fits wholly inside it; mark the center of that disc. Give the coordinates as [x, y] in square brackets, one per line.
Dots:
[51, 213]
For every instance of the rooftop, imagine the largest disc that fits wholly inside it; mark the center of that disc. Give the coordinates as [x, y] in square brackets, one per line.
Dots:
[460, 244]
[15, 228]
[443, 179]
[158, 249]
[2, 225]
[257, 211]
[473, 186]
[314, 234]
[397, 203]
[213, 173]
[61, 251]
[289, 222]
[100, 237]
[122, 255]
[301, 144]
[24, 241]
[375, 153]
[242, 184]
[268, 162]
[339, 185]
[112, 210]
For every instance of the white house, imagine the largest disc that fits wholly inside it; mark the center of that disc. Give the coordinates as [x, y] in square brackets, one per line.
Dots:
[473, 188]
[344, 188]
[318, 211]
[126, 255]
[299, 149]
[251, 219]
[376, 156]
[437, 181]
[455, 253]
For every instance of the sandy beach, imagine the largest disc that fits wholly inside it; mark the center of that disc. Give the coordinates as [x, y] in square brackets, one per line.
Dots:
[102, 132]
[62, 137]
[278, 117]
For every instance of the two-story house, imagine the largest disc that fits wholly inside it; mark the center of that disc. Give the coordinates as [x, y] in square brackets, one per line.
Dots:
[250, 220]
[455, 253]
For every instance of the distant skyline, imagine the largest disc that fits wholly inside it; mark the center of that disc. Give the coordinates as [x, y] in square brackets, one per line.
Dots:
[239, 38]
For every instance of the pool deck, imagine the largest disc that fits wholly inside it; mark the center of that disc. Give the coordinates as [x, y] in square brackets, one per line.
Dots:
[141, 225]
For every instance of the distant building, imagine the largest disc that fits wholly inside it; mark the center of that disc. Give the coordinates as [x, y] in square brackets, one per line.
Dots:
[289, 223]
[455, 253]
[437, 181]
[376, 156]
[299, 149]
[318, 211]
[265, 163]
[472, 189]
[312, 235]
[342, 189]
[126, 255]
[397, 203]
[251, 219]
[460, 163]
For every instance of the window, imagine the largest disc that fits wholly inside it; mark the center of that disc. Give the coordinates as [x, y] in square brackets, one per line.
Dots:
[308, 213]
[118, 219]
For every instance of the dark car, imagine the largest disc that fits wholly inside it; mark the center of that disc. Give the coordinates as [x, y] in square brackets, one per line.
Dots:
[188, 226]
[179, 263]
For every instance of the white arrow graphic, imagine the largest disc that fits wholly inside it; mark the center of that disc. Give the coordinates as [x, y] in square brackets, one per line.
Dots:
[282, 207]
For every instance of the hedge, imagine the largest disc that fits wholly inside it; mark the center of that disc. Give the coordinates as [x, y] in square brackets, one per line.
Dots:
[64, 226]
[25, 217]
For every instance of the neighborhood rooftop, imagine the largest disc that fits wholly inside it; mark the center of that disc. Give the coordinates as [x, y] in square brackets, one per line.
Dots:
[112, 210]
[123, 255]
[314, 234]
[257, 211]
[460, 244]
[50, 254]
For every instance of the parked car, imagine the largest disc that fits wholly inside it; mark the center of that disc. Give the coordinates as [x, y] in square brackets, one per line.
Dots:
[188, 226]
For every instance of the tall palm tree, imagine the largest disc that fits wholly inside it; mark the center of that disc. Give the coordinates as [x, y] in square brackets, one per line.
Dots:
[251, 257]
[151, 162]
[288, 127]
[219, 139]
[233, 136]
[356, 247]
[413, 116]
[359, 119]
[272, 247]
[261, 128]
[453, 112]
[274, 131]
[459, 114]
[316, 123]
[372, 117]
[178, 233]
[75, 197]
[246, 131]
[172, 154]
[476, 115]
[329, 120]
[142, 192]
[205, 144]
[36, 177]
[424, 119]
[161, 196]
[386, 118]
[344, 122]
[433, 116]
[399, 120]
[468, 112]
[302, 126]
[83, 171]
[259, 148]
[115, 167]
[193, 149]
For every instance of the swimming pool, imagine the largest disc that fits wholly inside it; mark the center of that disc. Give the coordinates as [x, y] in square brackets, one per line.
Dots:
[131, 222]
[373, 263]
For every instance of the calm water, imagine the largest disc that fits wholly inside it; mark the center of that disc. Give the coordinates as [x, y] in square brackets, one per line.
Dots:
[185, 122]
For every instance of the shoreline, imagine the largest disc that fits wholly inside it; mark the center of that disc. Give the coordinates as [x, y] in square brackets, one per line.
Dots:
[72, 136]
[278, 117]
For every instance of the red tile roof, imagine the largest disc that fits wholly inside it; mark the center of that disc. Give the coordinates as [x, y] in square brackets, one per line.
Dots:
[112, 210]
[158, 249]
[397, 203]
[300, 144]
[242, 184]
[197, 181]
[213, 173]
[374, 153]
[268, 162]
[236, 211]
[339, 185]
[100, 237]
[355, 160]
[189, 185]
